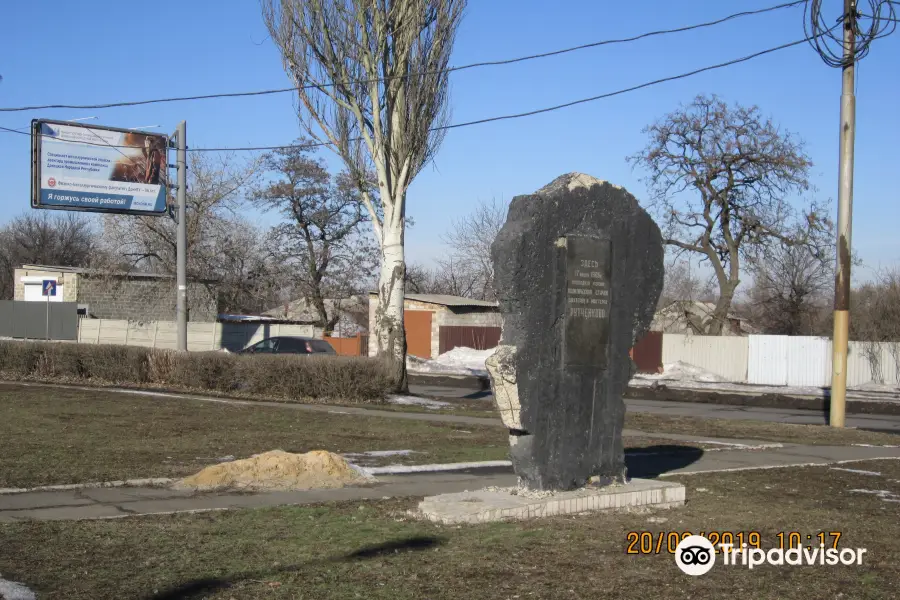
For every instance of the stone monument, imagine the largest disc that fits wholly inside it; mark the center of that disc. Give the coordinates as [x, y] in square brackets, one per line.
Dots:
[578, 269]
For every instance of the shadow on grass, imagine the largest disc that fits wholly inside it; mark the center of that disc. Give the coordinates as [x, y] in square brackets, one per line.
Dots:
[414, 543]
[202, 587]
[653, 461]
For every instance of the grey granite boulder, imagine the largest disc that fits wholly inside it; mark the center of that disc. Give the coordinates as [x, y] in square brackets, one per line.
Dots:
[578, 272]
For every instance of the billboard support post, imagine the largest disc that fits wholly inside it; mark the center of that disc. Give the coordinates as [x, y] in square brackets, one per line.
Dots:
[181, 237]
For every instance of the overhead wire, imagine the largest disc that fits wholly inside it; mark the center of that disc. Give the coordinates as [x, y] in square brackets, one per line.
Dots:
[558, 106]
[408, 75]
[522, 114]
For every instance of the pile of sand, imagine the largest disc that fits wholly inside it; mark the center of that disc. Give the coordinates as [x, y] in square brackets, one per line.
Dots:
[278, 470]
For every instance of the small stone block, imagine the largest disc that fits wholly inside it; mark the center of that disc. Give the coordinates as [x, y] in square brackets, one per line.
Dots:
[483, 506]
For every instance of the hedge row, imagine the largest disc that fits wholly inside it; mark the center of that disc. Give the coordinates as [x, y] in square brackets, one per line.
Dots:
[297, 378]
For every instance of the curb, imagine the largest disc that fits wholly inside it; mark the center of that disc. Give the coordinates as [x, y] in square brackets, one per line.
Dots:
[767, 400]
[478, 383]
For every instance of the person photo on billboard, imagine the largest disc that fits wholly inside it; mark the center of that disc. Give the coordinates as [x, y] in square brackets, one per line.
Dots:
[143, 161]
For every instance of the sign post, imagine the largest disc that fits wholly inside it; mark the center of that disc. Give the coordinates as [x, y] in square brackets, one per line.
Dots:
[48, 289]
[181, 238]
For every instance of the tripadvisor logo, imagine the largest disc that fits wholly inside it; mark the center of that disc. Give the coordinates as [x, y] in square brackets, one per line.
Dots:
[695, 555]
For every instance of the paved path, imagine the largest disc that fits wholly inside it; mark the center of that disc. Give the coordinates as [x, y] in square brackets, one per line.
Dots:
[122, 502]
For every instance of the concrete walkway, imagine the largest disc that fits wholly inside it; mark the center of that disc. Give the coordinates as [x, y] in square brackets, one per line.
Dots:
[102, 503]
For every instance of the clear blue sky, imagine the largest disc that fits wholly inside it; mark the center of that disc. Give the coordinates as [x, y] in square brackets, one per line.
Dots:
[57, 51]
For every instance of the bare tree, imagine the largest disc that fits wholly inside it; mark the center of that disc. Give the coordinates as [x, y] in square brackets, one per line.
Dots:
[372, 83]
[63, 240]
[876, 320]
[684, 282]
[320, 238]
[721, 178]
[469, 240]
[419, 279]
[791, 290]
[222, 244]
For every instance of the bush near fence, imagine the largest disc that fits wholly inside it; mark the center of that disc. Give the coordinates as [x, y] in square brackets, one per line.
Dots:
[291, 378]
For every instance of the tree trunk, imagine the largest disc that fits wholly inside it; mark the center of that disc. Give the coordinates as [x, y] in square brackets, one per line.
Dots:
[390, 335]
[720, 314]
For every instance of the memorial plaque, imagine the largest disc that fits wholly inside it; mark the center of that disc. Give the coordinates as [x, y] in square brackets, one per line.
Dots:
[587, 302]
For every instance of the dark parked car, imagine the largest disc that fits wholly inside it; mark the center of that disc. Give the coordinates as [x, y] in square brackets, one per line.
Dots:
[289, 345]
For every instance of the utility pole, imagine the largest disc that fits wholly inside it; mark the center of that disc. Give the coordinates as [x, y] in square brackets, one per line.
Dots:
[181, 238]
[845, 213]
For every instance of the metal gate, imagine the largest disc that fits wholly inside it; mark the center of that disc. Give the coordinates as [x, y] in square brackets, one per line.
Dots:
[479, 338]
[647, 352]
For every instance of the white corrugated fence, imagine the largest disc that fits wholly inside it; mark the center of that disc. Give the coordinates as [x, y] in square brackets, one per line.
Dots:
[782, 360]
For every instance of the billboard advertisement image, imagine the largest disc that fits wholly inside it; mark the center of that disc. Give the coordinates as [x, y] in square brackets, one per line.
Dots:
[100, 169]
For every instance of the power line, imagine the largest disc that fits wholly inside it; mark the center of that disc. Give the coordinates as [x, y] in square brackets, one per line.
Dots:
[104, 145]
[629, 89]
[559, 106]
[424, 73]
[528, 113]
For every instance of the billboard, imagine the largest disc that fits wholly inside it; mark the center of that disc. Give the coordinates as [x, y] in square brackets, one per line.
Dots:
[98, 169]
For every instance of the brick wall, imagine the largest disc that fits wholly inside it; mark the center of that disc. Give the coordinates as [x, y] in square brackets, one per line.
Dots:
[143, 299]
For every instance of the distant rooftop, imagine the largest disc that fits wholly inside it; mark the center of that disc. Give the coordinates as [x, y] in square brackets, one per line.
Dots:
[87, 271]
[446, 300]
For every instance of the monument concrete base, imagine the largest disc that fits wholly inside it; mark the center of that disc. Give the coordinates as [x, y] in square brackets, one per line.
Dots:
[511, 504]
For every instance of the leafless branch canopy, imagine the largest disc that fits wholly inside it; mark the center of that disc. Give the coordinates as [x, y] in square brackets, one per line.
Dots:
[469, 241]
[721, 180]
[319, 240]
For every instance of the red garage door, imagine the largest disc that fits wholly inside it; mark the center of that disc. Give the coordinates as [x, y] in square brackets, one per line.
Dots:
[418, 332]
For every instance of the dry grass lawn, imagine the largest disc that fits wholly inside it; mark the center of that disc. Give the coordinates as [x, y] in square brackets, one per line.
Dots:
[371, 550]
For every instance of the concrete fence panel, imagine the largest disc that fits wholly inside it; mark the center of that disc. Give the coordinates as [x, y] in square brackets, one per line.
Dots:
[201, 336]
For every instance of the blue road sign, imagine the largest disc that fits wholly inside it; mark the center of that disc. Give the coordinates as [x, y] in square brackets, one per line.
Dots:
[49, 287]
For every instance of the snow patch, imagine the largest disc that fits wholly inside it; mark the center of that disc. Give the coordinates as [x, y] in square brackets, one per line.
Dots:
[416, 401]
[378, 453]
[397, 469]
[459, 361]
[737, 446]
[682, 371]
[857, 471]
[11, 590]
[871, 386]
[886, 495]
